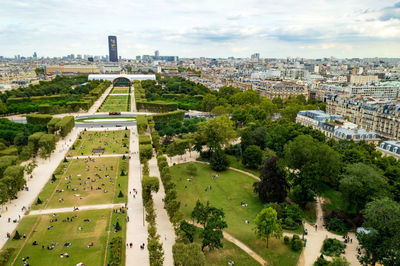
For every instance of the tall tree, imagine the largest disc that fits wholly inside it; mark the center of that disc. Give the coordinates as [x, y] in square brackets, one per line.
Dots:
[381, 241]
[273, 185]
[212, 220]
[360, 184]
[252, 157]
[267, 225]
[219, 161]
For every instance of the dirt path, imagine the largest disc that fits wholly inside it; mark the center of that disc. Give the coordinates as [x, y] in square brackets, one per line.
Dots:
[81, 208]
[99, 101]
[245, 248]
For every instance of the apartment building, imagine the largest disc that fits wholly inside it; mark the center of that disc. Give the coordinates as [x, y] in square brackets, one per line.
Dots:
[274, 89]
[380, 116]
[334, 126]
[362, 80]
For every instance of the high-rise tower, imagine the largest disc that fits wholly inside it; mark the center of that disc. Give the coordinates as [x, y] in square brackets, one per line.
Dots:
[112, 48]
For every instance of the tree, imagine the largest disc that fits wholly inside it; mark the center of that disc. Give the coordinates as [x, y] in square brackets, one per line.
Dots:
[191, 168]
[17, 236]
[273, 185]
[120, 194]
[156, 253]
[267, 225]
[312, 162]
[212, 220]
[188, 229]
[209, 102]
[360, 184]
[215, 132]
[252, 157]
[3, 108]
[339, 261]
[381, 239]
[188, 255]
[219, 161]
[117, 226]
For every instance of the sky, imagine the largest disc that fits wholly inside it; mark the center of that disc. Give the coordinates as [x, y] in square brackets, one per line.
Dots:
[210, 28]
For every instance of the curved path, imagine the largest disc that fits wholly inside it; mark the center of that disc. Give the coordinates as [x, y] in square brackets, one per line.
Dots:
[245, 248]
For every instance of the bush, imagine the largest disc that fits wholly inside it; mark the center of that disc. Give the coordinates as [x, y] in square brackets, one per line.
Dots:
[337, 226]
[38, 119]
[145, 152]
[115, 251]
[144, 139]
[321, 261]
[286, 240]
[332, 247]
[120, 195]
[5, 255]
[53, 178]
[297, 245]
[39, 201]
[17, 236]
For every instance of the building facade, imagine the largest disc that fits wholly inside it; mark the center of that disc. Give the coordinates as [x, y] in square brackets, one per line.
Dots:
[112, 48]
[380, 116]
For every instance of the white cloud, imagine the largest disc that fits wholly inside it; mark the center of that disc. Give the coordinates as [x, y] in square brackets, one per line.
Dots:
[220, 28]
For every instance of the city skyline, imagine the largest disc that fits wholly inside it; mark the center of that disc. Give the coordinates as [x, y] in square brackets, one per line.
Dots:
[313, 29]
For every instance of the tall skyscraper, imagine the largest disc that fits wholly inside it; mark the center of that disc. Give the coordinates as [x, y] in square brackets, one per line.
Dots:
[112, 48]
[156, 54]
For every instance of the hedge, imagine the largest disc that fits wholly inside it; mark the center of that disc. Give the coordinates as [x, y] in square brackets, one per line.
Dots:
[141, 122]
[38, 119]
[51, 126]
[47, 144]
[144, 139]
[9, 151]
[65, 125]
[161, 118]
[145, 152]
[7, 161]
[34, 139]
[158, 106]
[115, 247]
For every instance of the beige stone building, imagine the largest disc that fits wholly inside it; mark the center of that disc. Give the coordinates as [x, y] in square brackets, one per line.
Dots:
[362, 80]
[274, 89]
[380, 116]
[73, 69]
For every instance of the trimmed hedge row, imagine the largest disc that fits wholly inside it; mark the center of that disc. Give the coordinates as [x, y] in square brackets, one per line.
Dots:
[65, 125]
[145, 152]
[161, 118]
[144, 139]
[115, 251]
[158, 107]
[51, 126]
[142, 123]
[38, 119]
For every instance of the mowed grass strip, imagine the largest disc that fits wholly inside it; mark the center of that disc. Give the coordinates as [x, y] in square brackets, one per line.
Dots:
[62, 232]
[117, 90]
[82, 182]
[112, 142]
[114, 103]
[227, 192]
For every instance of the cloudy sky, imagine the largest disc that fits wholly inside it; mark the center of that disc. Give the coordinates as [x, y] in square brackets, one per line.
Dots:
[211, 28]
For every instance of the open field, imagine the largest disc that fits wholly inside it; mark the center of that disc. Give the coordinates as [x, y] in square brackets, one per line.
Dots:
[63, 230]
[112, 142]
[227, 192]
[117, 90]
[86, 182]
[117, 103]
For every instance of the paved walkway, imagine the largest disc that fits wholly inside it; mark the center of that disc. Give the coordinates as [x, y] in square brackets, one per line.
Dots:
[136, 227]
[81, 208]
[245, 248]
[40, 176]
[164, 226]
[99, 101]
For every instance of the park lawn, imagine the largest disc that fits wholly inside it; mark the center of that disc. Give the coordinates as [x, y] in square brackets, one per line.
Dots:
[122, 181]
[229, 252]
[227, 192]
[61, 233]
[121, 218]
[70, 180]
[117, 90]
[112, 142]
[117, 103]
[234, 163]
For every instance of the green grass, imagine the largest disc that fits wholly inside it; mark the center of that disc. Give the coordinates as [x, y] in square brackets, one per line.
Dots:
[117, 103]
[94, 231]
[229, 252]
[334, 200]
[228, 190]
[107, 117]
[233, 162]
[73, 174]
[112, 141]
[120, 90]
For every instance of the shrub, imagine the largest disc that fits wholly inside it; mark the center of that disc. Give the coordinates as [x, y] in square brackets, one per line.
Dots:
[53, 178]
[145, 152]
[17, 236]
[286, 240]
[115, 251]
[297, 244]
[144, 139]
[332, 247]
[336, 225]
[5, 255]
[120, 195]
[38, 119]
[39, 201]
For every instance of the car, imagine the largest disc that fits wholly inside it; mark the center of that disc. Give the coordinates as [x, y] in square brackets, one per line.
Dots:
[118, 125]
